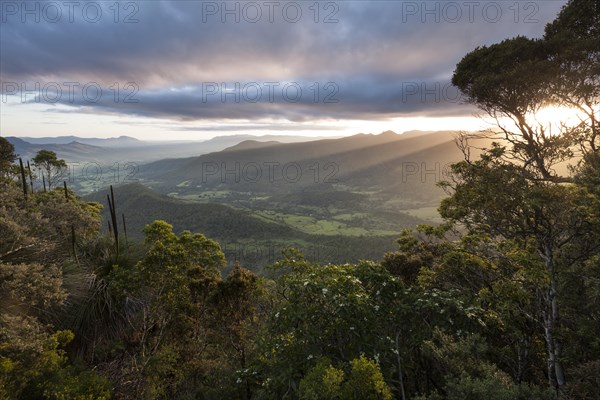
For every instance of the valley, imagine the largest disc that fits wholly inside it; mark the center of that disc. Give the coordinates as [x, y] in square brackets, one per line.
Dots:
[337, 200]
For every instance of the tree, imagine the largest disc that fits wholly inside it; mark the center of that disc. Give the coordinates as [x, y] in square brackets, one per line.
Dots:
[41, 230]
[34, 254]
[34, 364]
[238, 309]
[574, 49]
[168, 337]
[51, 166]
[516, 190]
[322, 382]
[7, 156]
[340, 312]
[468, 374]
[499, 81]
[364, 381]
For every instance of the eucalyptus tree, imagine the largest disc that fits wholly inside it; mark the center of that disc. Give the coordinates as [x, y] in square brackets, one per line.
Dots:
[50, 165]
[522, 190]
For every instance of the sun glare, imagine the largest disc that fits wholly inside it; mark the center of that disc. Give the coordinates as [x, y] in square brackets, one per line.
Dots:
[556, 117]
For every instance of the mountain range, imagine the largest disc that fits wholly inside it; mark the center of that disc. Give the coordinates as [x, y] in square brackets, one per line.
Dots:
[405, 166]
[125, 149]
[326, 196]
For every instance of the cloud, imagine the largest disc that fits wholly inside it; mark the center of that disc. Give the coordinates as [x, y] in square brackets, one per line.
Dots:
[370, 96]
[386, 59]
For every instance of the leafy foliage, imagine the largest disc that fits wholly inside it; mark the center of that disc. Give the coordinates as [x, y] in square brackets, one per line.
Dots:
[499, 302]
[50, 166]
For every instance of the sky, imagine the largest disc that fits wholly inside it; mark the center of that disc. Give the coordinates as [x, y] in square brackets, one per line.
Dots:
[168, 70]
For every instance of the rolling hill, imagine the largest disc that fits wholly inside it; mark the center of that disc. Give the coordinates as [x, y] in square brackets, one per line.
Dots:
[338, 199]
[385, 167]
[126, 149]
[255, 239]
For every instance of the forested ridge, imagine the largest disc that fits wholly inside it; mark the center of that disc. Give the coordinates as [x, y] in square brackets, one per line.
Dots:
[500, 301]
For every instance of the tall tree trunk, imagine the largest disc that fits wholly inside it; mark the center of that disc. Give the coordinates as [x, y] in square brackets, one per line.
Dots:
[556, 376]
[399, 361]
[23, 179]
[113, 217]
[125, 232]
[30, 176]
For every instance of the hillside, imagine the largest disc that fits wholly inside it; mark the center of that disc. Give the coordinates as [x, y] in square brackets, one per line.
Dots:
[72, 151]
[126, 149]
[268, 195]
[364, 173]
[121, 141]
[273, 168]
[255, 238]
[252, 144]
[96, 163]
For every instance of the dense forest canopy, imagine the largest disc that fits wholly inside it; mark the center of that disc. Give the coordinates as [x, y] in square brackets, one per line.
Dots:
[500, 301]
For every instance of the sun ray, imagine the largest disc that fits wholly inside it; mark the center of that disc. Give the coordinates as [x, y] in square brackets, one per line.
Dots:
[555, 119]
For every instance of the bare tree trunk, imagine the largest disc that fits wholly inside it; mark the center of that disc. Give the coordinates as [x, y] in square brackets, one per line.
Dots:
[551, 318]
[23, 179]
[398, 359]
[113, 217]
[30, 176]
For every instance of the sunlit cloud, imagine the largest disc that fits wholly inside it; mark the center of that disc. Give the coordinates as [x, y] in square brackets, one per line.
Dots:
[356, 62]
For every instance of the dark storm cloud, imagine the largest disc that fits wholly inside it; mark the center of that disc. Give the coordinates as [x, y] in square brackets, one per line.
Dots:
[368, 96]
[386, 59]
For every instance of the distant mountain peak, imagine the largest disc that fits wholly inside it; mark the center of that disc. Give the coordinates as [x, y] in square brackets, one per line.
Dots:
[129, 138]
[252, 144]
